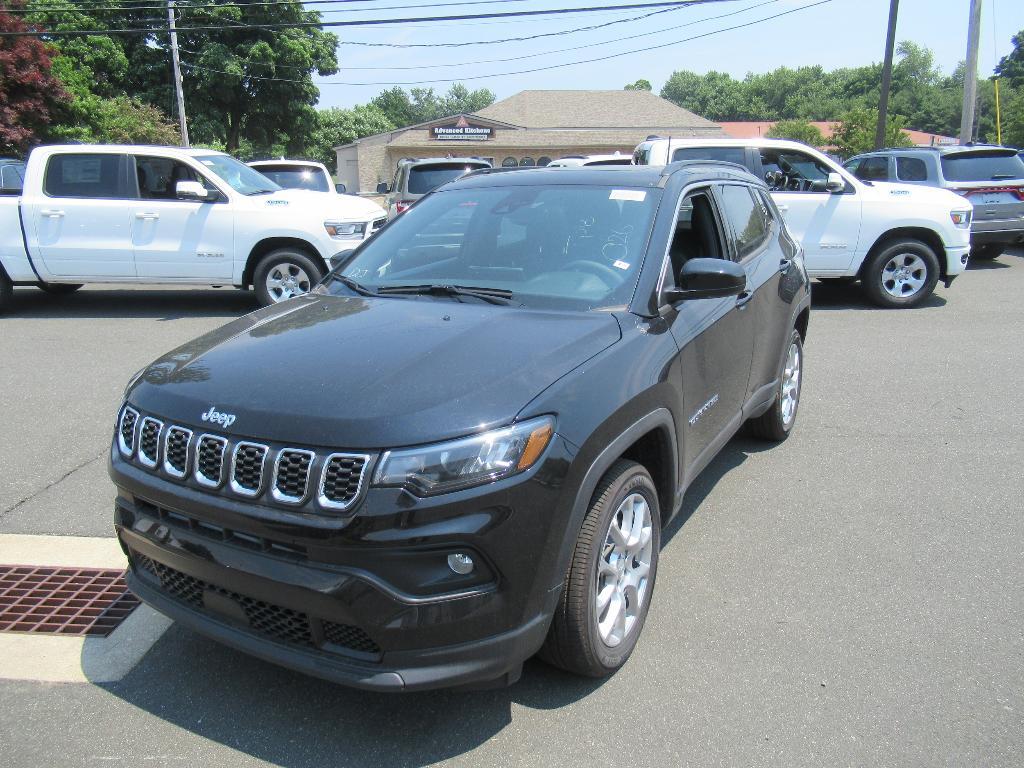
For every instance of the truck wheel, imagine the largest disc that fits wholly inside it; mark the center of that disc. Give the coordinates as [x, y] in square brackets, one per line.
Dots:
[284, 274]
[777, 422]
[59, 289]
[6, 291]
[902, 274]
[987, 252]
[611, 577]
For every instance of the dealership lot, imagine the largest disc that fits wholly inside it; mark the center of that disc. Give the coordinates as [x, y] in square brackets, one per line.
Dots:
[849, 597]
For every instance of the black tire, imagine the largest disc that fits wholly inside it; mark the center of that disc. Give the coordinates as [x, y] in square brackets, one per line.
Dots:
[987, 252]
[59, 289]
[286, 262]
[773, 424]
[574, 642]
[6, 291]
[908, 253]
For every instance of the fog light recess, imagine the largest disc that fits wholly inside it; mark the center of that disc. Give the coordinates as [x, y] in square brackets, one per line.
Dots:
[461, 563]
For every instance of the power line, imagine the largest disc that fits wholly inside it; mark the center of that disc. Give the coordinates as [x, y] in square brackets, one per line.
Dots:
[524, 71]
[365, 22]
[243, 6]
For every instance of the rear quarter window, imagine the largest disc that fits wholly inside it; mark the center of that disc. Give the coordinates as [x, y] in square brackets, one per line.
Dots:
[982, 166]
[86, 175]
[911, 169]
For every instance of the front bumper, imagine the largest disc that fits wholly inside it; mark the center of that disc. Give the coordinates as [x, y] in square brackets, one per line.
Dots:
[365, 600]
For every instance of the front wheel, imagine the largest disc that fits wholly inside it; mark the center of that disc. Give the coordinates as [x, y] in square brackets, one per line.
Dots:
[902, 274]
[611, 576]
[284, 274]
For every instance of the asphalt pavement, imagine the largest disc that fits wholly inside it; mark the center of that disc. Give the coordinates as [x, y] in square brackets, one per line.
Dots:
[850, 597]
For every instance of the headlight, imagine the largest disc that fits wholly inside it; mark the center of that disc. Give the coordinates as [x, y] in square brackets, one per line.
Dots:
[345, 230]
[961, 219]
[468, 461]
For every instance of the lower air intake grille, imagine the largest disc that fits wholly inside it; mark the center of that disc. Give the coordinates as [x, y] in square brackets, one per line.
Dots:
[274, 621]
[291, 476]
[342, 478]
[210, 459]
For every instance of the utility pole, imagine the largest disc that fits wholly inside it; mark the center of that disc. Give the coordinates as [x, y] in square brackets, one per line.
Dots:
[883, 101]
[177, 73]
[971, 73]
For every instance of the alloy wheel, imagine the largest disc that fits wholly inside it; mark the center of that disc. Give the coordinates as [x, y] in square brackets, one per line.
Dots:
[791, 384]
[904, 275]
[287, 280]
[623, 570]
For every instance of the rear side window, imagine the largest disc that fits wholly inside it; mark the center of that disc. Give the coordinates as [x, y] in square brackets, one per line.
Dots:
[423, 178]
[982, 166]
[12, 178]
[747, 218]
[874, 169]
[86, 175]
[911, 169]
[728, 154]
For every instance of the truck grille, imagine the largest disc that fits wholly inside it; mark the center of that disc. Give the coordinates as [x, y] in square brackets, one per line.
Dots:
[377, 224]
[149, 441]
[291, 475]
[333, 481]
[343, 476]
[273, 621]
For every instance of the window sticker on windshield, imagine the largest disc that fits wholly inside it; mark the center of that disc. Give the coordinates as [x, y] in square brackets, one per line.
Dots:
[633, 195]
[620, 264]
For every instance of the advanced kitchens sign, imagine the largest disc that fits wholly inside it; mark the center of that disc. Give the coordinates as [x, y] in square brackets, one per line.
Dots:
[462, 130]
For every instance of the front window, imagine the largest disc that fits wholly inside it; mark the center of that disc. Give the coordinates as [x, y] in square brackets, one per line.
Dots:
[296, 177]
[786, 170]
[239, 176]
[558, 247]
[423, 178]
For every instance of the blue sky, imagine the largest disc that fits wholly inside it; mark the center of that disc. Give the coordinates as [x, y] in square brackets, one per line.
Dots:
[836, 34]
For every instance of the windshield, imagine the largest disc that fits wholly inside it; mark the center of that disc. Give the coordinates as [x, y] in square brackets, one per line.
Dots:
[424, 178]
[559, 247]
[296, 177]
[982, 166]
[239, 176]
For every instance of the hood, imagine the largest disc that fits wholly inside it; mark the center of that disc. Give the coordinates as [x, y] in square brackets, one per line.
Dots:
[371, 373]
[332, 205]
[918, 193]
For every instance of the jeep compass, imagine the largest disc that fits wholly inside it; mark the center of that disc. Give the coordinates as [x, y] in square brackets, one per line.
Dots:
[461, 448]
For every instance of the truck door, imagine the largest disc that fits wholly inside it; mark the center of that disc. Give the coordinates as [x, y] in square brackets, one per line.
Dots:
[175, 238]
[79, 225]
[826, 224]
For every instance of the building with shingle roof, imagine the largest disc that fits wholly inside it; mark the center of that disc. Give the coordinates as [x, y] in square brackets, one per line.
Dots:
[529, 128]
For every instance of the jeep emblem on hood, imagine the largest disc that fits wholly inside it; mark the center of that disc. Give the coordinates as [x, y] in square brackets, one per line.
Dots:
[224, 419]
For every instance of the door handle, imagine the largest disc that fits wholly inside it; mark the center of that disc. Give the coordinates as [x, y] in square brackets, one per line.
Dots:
[784, 265]
[147, 215]
[53, 213]
[743, 298]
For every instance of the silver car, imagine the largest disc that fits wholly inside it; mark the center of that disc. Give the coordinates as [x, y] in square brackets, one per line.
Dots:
[415, 178]
[990, 177]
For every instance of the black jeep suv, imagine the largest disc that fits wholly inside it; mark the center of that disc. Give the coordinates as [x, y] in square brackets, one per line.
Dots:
[462, 446]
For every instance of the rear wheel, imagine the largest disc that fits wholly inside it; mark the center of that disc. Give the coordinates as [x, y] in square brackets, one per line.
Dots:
[284, 274]
[902, 274]
[59, 289]
[987, 252]
[777, 422]
[611, 577]
[6, 291]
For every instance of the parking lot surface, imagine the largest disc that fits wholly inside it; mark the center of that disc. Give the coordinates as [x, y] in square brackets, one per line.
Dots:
[852, 596]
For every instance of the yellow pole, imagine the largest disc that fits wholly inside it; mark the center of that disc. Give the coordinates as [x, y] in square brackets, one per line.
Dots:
[999, 128]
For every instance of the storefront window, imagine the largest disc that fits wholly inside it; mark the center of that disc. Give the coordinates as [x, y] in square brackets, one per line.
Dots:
[509, 162]
[526, 162]
[543, 160]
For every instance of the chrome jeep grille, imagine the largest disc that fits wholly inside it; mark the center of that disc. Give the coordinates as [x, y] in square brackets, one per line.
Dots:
[285, 475]
[149, 441]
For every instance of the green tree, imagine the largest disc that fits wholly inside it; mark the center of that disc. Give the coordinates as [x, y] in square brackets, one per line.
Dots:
[855, 132]
[396, 106]
[797, 130]
[715, 95]
[119, 120]
[335, 127]
[1013, 117]
[420, 105]
[1011, 66]
[639, 85]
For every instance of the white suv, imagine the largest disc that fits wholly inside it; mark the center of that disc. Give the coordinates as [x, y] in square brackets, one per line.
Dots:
[899, 240]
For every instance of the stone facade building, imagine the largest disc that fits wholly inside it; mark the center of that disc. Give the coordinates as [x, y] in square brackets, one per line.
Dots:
[529, 128]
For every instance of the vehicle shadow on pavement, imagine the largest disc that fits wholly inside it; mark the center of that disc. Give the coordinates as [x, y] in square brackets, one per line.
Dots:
[825, 296]
[982, 265]
[89, 304]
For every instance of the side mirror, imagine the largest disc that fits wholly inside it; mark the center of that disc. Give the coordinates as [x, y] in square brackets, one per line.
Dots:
[340, 188]
[835, 183]
[382, 188]
[192, 190]
[707, 279]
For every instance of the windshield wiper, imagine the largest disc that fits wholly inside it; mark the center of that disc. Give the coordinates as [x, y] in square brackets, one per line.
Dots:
[490, 295]
[351, 284]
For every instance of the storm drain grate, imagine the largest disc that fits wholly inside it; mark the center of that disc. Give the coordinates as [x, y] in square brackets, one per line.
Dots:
[65, 601]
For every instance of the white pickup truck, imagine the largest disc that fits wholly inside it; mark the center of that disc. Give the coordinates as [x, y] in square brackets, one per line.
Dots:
[899, 240]
[137, 214]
